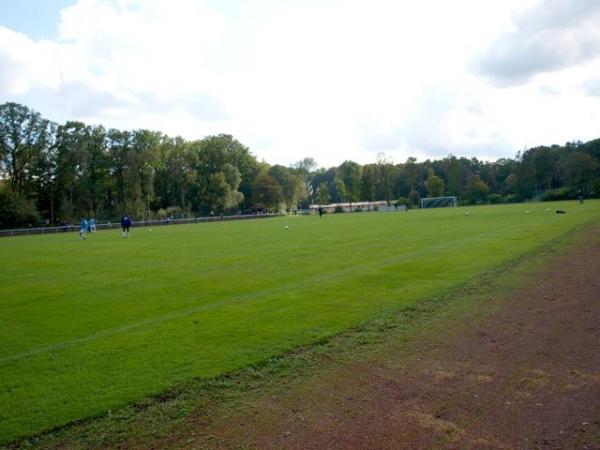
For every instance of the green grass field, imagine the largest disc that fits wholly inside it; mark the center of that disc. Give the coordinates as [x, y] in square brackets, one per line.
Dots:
[88, 326]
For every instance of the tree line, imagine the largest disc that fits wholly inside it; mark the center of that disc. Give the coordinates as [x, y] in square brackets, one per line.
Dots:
[54, 173]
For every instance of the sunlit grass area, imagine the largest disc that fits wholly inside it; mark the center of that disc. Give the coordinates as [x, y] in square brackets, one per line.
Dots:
[87, 326]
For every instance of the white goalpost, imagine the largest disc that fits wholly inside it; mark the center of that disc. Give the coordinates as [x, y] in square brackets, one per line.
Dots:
[438, 202]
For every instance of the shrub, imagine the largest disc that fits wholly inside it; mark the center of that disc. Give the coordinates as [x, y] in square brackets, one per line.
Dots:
[494, 199]
[174, 212]
[403, 201]
[16, 211]
[512, 198]
[564, 193]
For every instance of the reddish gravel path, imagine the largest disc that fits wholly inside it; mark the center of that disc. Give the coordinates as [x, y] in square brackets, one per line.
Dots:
[525, 376]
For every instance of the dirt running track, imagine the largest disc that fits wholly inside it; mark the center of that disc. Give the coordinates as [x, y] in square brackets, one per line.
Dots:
[525, 376]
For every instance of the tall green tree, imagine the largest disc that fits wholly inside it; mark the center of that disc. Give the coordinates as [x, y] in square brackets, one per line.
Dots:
[294, 189]
[119, 145]
[24, 137]
[305, 169]
[267, 192]
[385, 172]
[580, 170]
[349, 172]
[340, 190]
[435, 185]
[368, 182]
[82, 176]
[142, 159]
[213, 153]
[175, 174]
[412, 172]
[16, 210]
[322, 197]
[476, 190]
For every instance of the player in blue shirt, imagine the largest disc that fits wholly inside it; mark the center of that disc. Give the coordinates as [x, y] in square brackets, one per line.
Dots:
[83, 227]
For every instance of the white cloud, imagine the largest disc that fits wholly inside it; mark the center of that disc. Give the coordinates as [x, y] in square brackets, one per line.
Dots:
[592, 87]
[144, 46]
[553, 35]
[143, 55]
[330, 79]
[25, 64]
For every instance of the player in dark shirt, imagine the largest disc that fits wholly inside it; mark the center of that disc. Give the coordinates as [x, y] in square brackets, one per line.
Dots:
[125, 225]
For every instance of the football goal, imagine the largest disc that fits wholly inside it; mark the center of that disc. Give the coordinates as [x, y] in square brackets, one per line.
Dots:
[438, 202]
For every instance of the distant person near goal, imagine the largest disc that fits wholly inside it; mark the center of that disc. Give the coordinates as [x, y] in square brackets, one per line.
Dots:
[125, 225]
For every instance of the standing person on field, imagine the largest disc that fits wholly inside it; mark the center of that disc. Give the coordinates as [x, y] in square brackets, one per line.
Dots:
[92, 225]
[83, 227]
[125, 224]
[580, 197]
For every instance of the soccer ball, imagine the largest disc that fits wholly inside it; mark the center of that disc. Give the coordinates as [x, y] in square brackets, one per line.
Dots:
[467, 213]
[527, 212]
[287, 228]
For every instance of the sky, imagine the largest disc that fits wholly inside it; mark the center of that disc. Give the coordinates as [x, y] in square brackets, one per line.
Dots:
[328, 79]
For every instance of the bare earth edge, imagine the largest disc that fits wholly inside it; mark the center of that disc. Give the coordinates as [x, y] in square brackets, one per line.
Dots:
[511, 361]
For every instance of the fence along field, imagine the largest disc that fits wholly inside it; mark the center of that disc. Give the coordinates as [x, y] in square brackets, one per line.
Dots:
[87, 326]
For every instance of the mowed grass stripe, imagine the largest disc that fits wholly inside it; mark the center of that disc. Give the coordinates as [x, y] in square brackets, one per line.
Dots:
[323, 280]
[115, 320]
[368, 267]
[220, 267]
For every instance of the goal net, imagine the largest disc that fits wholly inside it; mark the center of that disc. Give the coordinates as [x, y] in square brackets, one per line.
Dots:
[438, 202]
